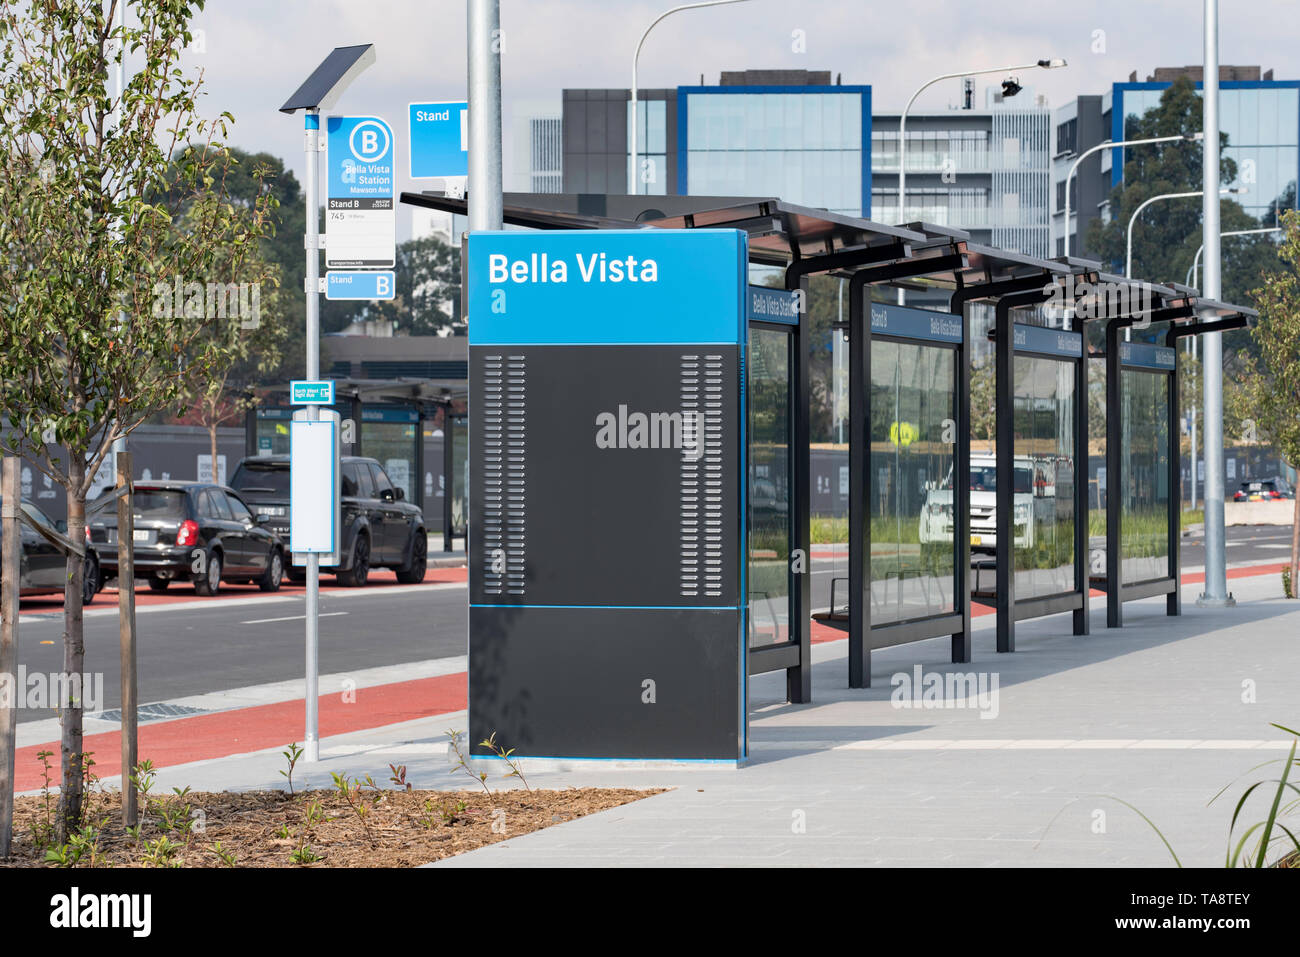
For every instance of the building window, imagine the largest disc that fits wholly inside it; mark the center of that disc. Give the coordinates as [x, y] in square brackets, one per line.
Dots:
[804, 147]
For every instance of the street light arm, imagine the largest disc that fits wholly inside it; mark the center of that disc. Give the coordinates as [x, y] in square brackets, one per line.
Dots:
[1128, 265]
[631, 186]
[1109, 145]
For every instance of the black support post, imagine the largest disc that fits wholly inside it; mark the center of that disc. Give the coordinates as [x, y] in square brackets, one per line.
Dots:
[448, 479]
[859, 502]
[1004, 403]
[799, 678]
[961, 641]
[1114, 482]
[356, 424]
[1082, 571]
[1174, 600]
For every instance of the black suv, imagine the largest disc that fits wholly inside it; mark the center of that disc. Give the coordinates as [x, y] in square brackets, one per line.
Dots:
[192, 531]
[379, 527]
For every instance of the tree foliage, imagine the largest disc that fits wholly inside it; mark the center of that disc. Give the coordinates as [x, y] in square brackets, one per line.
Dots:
[1168, 233]
[1272, 386]
[101, 203]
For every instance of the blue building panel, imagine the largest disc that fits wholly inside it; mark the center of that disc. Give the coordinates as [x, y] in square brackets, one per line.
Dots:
[1261, 118]
[828, 128]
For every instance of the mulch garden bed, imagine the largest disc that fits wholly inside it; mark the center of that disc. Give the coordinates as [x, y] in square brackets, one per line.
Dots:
[364, 827]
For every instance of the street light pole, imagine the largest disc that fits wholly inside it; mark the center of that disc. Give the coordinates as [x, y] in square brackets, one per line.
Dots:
[632, 170]
[1216, 572]
[1193, 272]
[1108, 145]
[1051, 64]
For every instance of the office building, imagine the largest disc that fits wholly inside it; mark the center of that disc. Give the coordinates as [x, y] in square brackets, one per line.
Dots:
[1260, 115]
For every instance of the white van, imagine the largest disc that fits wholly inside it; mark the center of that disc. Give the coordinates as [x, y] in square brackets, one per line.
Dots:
[936, 513]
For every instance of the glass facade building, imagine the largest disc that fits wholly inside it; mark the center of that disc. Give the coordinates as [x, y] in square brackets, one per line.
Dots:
[1262, 120]
[809, 145]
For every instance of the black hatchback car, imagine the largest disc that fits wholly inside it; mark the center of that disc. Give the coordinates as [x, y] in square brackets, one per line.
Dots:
[379, 527]
[191, 531]
[42, 568]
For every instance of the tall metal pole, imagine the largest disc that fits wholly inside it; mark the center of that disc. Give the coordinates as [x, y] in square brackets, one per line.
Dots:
[1216, 573]
[484, 33]
[311, 147]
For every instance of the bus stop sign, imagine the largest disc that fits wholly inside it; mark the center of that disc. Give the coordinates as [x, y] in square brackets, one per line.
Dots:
[607, 493]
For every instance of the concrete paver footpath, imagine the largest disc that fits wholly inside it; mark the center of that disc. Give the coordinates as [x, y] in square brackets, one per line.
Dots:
[1023, 767]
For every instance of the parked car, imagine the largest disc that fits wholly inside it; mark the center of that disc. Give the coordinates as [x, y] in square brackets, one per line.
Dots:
[379, 528]
[191, 531]
[1262, 490]
[43, 569]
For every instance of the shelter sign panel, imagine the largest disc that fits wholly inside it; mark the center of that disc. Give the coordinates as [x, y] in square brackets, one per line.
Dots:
[607, 459]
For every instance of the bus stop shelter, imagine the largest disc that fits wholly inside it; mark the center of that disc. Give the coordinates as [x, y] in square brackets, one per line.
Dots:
[1144, 498]
[910, 573]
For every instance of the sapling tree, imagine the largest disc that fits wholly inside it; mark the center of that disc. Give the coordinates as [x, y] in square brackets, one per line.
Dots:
[1273, 382]
[103, 199]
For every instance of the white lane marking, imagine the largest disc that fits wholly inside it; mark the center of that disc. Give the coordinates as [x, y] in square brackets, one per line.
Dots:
[208, 604]
[267, 621]
[1032, 744]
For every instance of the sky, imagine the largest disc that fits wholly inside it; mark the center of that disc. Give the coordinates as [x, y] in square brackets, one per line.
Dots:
[256, 52]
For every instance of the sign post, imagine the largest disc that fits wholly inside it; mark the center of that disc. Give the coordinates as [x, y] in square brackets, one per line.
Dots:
[321, 91]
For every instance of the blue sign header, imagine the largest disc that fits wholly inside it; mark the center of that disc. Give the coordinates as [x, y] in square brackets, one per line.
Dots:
[887, 320]
[439, 138]
[1052, 342]
[309, 392]
[1146, 355]
[607, 287]
[359, 285]
[360, 160]
[769, 304]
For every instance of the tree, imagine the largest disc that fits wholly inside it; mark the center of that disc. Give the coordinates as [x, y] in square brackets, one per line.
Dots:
[1273, 381]
[252, 340]
[97, 212]
[1166, 237]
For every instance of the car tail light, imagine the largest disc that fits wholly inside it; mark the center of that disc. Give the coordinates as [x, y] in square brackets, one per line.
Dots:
[189, 533]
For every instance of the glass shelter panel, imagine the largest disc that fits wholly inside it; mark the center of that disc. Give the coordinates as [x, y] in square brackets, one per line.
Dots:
[912, 433]
[1044, 476]
[390, 436]
[769, 486]
[1144, 478]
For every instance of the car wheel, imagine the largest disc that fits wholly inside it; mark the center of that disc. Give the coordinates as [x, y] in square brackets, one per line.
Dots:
[414, 572]
[355, 577]
[209, 583]
[90, 580]
[158, 584]
[274, 574]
